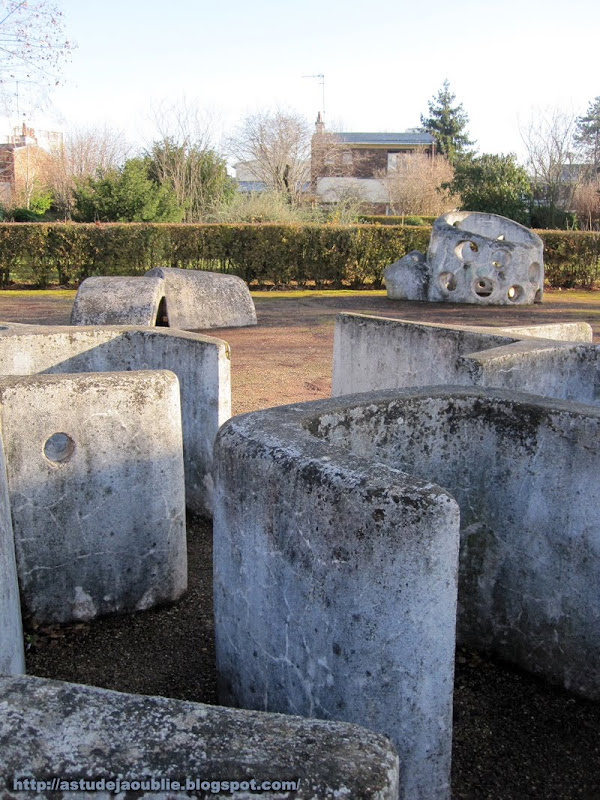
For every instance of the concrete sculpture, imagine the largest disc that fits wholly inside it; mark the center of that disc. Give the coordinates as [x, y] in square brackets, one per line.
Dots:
[175, 298]
[472, 258]
[201, 364]
[335, 556]
[196, 299]
[96, 492]
[161, 748]
[551, 360]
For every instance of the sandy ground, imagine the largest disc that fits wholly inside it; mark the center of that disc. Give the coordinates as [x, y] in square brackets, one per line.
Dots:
[514, 737]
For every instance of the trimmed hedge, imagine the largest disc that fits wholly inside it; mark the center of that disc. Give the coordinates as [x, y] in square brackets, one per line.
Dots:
[265, 254]
[262, 254]
[408, 219]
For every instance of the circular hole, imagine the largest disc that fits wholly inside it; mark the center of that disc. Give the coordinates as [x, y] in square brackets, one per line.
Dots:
[515, 293]
[448, 281]
[483, 287]
[534, 272]
[500, 258]
[59, 447]
[465, 250]
[500, 238]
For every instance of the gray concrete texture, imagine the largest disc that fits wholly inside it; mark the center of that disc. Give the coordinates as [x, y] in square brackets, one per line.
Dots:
[472, 257]
[371, 353]
[118, 301]
[95, 482]
[196, 299]
[50, 729]
[201, 363]
[12, 656]
[335, 587]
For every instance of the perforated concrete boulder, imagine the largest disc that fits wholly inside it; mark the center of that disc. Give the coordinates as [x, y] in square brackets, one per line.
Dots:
[94, 471]
[473, 257]
[119, 301]
[86, 739]
[335, 586]
[201, 363]
[551, 360]
[196, 299]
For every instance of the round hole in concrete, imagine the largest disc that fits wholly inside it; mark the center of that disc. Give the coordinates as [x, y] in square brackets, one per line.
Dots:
[515, 293]
[59, 447]
[483, 287]
[448, 281]
[534, 272]
[465, 250]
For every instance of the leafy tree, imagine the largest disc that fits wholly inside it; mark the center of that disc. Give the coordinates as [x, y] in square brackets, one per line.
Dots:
[495, 184]
[587, 135]
[196, 175]
[127, 194]
[447, 123]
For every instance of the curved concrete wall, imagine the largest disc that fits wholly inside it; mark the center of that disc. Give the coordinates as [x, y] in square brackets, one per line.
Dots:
[335, 588]
[551, 360]
[201, 364]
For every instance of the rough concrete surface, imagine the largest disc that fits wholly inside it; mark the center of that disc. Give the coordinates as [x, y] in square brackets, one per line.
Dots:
[95, 481]
[118, 301]
[380, 353]
[109, 735]
[201, 363]
[335, 588]
[200, 299]
[472, 257]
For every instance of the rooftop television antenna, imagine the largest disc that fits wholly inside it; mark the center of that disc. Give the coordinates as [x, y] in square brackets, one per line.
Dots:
[321, 78]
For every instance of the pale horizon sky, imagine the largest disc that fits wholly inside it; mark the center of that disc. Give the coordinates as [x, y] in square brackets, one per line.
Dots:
[381, 64]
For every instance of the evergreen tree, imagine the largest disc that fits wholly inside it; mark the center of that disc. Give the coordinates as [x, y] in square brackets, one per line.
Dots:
[495, 184]
[447, 124]
[587, 135]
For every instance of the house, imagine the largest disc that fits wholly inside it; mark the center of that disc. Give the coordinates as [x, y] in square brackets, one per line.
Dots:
[24, 158]
[352, 163]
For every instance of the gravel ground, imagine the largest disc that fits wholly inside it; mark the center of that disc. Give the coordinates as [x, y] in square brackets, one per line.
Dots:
[514, 736]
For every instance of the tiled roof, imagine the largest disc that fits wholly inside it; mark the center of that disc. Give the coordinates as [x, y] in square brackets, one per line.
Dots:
[407, 137]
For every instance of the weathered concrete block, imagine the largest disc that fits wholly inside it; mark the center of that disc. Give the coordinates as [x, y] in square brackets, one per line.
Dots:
[377, 353]
[407, 278]
[335, 586]
[12, 657]
[201, 364]
[472, 258]
[197, 299]
[95, 480]
[108, 735]
[118, 301]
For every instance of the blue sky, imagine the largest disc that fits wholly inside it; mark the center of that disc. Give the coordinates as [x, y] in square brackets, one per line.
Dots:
[381, 62]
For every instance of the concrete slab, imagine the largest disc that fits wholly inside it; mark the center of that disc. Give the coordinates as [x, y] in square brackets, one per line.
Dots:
[96, 488]
[159, 748]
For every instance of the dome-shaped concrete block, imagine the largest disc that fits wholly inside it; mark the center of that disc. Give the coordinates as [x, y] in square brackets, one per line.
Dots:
[118, 301]
[407, 278]
[196, 299]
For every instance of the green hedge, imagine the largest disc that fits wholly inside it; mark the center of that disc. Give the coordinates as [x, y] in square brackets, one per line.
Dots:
[409, 219]
[263, 254]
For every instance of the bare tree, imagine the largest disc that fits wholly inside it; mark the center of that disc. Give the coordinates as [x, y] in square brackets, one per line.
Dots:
[275, 148]
[33, 48]
[414, 186]
[184, 158]
[82, 153]
[551, 159]
[586, 203]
